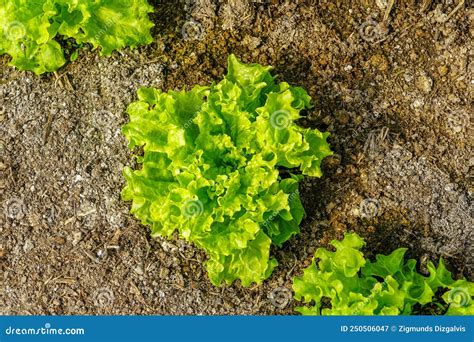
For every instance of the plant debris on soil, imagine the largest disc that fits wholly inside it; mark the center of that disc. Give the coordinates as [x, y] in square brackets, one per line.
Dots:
[392, 84]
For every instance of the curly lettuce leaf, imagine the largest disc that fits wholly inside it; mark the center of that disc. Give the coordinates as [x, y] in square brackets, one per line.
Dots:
[27, 35]
[460, 296]
[32, 30]
[387, 286]
[209, 168]
[106, 24]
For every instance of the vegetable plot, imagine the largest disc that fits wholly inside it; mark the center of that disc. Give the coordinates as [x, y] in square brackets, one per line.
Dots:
[35, 31]
[210, 167]
[387, 286]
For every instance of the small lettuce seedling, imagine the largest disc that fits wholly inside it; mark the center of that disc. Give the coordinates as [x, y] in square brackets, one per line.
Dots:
[33, 31]
[210, 167]
[345, 283]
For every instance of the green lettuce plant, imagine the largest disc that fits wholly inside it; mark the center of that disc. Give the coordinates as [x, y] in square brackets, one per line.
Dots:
[33, 31]
[211, 162]
[343, 282]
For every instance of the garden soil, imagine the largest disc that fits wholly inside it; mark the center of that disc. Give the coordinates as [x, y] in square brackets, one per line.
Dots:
[392, 81]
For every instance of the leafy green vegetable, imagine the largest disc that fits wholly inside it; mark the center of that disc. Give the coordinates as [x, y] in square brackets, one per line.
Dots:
[210, 167]
[32, 29]
[387, 286]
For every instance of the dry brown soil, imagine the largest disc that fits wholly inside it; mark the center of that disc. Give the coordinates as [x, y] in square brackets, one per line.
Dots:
[394, 88]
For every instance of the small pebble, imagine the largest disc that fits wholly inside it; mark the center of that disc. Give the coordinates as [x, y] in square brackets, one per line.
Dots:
[28, 246]
[76, 237]
[443, 70]
[424, 83]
